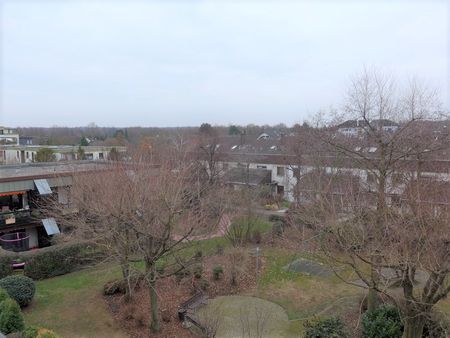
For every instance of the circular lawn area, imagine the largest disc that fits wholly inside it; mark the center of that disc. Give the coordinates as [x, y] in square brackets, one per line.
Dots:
[239, 316]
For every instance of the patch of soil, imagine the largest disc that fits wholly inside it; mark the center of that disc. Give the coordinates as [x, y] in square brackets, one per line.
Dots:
[133, 317]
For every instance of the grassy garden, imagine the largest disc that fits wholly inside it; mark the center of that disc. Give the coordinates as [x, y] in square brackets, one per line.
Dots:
[73, 305]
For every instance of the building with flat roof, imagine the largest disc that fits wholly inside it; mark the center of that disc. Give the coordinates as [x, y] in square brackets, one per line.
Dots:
[23, 188]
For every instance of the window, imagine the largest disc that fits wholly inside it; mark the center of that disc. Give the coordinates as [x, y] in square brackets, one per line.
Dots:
[280, 190]
[280, 171]
[225, 166]
[100, 156]
[261, 166]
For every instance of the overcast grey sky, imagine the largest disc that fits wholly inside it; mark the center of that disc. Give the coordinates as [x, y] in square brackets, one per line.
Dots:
[173, 63]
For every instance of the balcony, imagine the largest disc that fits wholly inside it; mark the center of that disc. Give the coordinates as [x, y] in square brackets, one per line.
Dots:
[15, 218]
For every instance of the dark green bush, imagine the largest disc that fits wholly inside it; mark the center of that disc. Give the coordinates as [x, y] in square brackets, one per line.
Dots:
[20, 288]
[11, 319]
[325, 328]
[218, 272]
[383, 322]
[59, 259]
[5, 264]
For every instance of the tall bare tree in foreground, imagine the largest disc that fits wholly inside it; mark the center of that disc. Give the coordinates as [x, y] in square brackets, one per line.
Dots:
[137, 209]
[392, 132]
[387, 228]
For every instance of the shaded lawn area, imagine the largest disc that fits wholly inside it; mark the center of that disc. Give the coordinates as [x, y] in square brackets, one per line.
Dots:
[303, 296]
[73, 306]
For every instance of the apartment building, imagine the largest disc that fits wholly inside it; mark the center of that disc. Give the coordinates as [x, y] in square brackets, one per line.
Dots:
[23, 189]
[15, 149]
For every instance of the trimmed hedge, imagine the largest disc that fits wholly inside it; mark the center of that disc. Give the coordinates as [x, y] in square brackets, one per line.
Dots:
[6, 259]
[59, 259]
[11, 319]
[51, 261]
[20, 288]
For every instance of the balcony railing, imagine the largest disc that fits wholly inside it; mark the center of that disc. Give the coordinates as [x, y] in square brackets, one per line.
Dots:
[17, 217]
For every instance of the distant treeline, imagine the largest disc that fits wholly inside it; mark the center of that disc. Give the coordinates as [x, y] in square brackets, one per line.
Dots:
[95, 135]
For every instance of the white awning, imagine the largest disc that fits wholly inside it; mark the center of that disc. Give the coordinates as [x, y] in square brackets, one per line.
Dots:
[50, 226]
[43, 187]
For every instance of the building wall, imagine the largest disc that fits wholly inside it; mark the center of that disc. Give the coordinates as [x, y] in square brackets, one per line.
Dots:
[33, 240]
[24, 154]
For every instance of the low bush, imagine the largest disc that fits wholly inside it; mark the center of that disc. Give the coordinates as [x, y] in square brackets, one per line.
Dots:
[325, 328]
[11, 319]
[204, 284]
[179, 275]
[30, 332]
[120, 285]
[383, 322]
[3, 295]
[59, 259]
[6, 260]
[218, 272]
[20, 288]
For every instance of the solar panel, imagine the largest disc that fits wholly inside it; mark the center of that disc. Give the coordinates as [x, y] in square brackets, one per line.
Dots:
[50, 226]
[43, 187]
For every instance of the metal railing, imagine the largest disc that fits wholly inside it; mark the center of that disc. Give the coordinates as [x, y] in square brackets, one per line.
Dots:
[17, 217]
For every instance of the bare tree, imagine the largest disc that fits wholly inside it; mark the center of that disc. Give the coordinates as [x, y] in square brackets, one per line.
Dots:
[391, 134]
[144, 210]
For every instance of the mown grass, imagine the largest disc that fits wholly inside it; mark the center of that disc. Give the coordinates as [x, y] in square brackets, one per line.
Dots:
[72, 305]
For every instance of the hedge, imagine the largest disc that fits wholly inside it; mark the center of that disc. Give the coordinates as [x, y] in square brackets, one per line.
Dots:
[59, 259]
[6, 259]
[51, 261]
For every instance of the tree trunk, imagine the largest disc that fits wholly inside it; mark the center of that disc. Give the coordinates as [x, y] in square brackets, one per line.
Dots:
[151, 282]
[413, 327]
[125, 266]
[372, 299]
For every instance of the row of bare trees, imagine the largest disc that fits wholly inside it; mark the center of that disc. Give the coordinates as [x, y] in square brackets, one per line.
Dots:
[394, 227]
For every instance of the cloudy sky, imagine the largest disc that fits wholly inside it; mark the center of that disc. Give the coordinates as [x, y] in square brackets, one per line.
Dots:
[171, 63]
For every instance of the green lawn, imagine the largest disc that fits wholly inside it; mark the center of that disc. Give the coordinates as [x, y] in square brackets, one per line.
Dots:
[73, 306]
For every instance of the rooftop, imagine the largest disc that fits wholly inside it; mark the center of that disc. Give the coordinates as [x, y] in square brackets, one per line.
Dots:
[18, 172]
